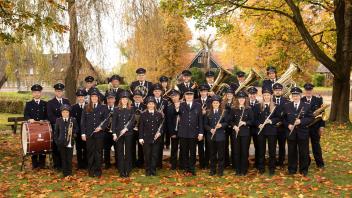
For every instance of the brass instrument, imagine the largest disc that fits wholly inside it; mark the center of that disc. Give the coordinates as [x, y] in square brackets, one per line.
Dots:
[319, 114]
[69, 134]
[143, 89]
[137, 116]
[286, 79]
[251, 78]
[219, 86]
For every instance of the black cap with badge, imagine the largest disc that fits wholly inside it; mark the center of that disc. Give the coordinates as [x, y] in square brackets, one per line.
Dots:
[36, 87]
[186, 73]
[240, 74]
[124, 94]
[252, 90]
[308, 86]
[163, 79]
[141, 71]
[296, 90]
[89, 79]
[277, 86]
[65, 107]
[80, 92]
[209, 74]
[150, 99]
[59, 86]
[241, 94]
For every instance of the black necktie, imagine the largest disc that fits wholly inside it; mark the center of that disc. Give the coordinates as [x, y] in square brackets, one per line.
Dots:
[189, 105]
[296, 106]
[266, 106]
[81, 107]
[60, 101]
[65, 121]
[137, 105]
[94, 106]
[37, 102]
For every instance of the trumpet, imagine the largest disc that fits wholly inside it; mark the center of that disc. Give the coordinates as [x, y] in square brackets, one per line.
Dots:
[69, 134]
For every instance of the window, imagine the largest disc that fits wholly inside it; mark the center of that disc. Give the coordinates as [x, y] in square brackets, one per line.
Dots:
[31, 71]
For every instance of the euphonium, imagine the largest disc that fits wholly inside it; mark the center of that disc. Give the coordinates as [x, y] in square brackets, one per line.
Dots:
[286, 79]
[219, 86]
[251, 78]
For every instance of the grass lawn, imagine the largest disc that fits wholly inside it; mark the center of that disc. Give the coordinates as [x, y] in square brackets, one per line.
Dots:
[334, 181]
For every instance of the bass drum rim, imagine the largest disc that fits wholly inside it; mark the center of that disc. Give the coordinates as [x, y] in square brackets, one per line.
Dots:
[24, 138]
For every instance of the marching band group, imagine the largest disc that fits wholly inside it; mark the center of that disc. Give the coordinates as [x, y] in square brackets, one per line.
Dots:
[140, 123]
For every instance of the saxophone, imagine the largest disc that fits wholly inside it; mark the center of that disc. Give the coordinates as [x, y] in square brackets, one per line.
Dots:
[69, 134]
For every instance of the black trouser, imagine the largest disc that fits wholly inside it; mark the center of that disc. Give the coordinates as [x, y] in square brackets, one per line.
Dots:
[124, 154]
[316, 148]
[38, 161]
[66, 160]
[56, 154]
[108, 143]
[174, 152]
[254, 137]
[167, 139]
[188, 147]
[160, 151]
[94, 154]
[241, 152]
[262, 139]
[151, 155]
[81, 152]
[281, 140]
[201, 153]
[217, 155]
[298, 151]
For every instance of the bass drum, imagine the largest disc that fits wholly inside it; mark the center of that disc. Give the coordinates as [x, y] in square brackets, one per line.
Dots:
[36, 137]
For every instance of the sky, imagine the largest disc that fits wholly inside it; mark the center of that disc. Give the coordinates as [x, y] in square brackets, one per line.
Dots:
[112, 36]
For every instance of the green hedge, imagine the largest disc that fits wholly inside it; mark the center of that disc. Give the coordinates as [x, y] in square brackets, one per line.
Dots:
[12, 106]
[104, 87]
[318, 80]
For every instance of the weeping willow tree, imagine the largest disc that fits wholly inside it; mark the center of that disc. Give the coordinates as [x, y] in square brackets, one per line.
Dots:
[46, 22]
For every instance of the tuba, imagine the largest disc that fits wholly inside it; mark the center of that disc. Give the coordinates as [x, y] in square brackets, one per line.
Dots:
[251, 78]
[286, 79]
[143, 89]
[219, 86]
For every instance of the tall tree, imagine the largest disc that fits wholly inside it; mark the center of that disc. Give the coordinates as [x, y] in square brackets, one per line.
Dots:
[158, 40]
[207, 46]
[300, 13]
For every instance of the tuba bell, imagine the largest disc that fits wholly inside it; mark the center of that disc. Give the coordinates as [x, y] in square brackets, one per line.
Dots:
[286, 79]
[143, 89]
[219, 86]
[251, 78]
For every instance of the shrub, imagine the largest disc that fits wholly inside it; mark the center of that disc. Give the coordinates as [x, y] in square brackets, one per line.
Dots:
[12, 106]
[318, 80]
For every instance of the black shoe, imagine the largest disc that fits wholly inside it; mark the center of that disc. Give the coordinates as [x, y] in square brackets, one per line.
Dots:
[193, 173]
[304, 173]
[220, 174]
[238, 173]
[320, 166]
[212, 173]
[147, 173]
[261, 171]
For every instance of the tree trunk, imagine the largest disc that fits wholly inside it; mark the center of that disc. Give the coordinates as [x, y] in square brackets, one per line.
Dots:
[340, 100]
[3, 80]
[75, 64]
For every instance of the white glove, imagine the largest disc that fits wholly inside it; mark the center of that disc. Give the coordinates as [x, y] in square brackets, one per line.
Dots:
[114, 137]
[141, 141]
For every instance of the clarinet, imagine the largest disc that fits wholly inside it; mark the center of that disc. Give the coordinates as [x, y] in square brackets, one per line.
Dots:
[218, 122]
[266, 120]
[294, 125]
[240, 121]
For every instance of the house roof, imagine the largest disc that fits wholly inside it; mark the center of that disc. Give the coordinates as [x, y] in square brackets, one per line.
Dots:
[189, 58]
[322, 69]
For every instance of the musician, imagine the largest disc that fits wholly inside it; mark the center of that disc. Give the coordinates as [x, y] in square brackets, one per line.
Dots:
[141, 76]
[108, 139]
[228, 103]
[241, 77]
[161, 106]
[271, 77]
[187, 85]
[122, 125]
[172, 126]
[53, 110]
[209, 78]
[93, 122]
[297, 117]
[205, 101]
[138, 107]
[90, 86]
[66, 129]
[115, 81]
[215, 125]
[164, 81]
[252, 95]
[241, 120]
[280, 102]
[35, 110]
[76, 112]
[317, 129]
[266, 117]
[190, 130]
[151, 129]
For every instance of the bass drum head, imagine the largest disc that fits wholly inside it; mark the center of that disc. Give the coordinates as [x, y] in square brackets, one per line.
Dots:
[24, 137]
